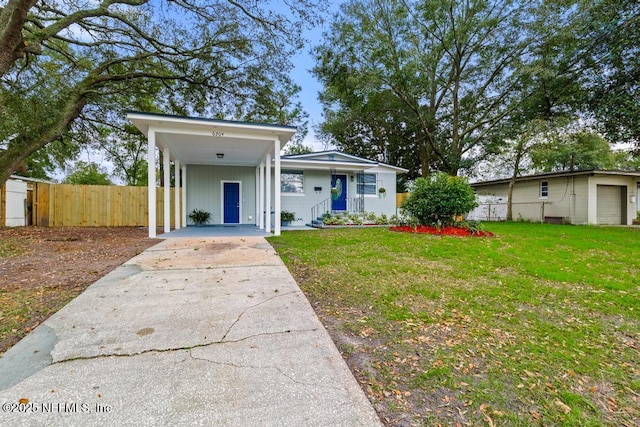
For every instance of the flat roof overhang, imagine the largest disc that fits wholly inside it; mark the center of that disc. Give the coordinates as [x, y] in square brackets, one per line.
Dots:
[199, 141]
[561, 174]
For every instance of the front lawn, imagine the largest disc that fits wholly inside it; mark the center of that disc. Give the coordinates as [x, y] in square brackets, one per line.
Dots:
[539, 325]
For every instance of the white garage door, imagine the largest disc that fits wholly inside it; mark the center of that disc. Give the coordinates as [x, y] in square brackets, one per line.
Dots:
[609, 204]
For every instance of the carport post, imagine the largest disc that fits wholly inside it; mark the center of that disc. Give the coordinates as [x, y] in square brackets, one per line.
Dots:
[151, 182]
[167, 190]
[176, 196]
[257, 186]
[276, 186]
[261, 207]
[267, 219]
[184, 195]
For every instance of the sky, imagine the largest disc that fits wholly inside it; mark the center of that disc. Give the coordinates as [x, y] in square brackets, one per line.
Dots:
[310, 87]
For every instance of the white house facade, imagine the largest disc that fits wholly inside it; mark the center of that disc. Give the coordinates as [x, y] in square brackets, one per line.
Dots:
[234, 171]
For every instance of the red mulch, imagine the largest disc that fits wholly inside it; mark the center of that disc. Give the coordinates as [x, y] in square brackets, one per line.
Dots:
[444, 231]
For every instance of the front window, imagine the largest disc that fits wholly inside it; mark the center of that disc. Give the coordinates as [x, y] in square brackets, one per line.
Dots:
[292, 182]
[367, 184]
[544, 189]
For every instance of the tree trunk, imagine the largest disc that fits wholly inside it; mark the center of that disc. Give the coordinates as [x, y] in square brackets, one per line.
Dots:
[520, 150]
[12, 45]
[512, 183]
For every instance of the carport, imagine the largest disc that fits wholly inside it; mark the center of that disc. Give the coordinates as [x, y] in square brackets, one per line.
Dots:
[227, 145]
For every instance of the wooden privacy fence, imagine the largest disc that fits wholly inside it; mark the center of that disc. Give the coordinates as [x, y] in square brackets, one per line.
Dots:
[68, 205]
[400, 197]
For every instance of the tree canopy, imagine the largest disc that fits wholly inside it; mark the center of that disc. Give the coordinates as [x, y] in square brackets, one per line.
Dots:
[69, 68]
[436, 74]
[443, 85]
[87, 173]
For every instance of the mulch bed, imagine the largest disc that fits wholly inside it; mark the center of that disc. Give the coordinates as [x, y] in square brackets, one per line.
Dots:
[442, 231]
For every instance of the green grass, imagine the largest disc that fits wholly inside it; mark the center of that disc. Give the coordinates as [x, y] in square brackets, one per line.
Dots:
[10, 247]
[539, 325]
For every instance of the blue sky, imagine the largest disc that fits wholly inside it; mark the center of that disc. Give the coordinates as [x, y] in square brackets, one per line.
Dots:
[301, 75]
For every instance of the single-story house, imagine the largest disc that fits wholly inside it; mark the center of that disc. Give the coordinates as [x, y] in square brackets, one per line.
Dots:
[576, 197]
[234, 170]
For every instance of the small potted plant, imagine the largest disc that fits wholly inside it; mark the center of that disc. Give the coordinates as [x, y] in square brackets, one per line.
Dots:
[199, 217]
[286, 217]
[382, 192]
[334, 193]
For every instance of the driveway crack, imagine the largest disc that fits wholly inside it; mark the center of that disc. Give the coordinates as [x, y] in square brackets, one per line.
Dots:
[252, 307]
[270, 367]
[174, 349]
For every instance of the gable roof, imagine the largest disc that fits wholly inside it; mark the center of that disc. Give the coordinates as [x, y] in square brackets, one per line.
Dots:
[336, 160]
[590, 172]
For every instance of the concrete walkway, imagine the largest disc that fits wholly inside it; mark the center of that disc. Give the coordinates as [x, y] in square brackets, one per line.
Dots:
[201, 331]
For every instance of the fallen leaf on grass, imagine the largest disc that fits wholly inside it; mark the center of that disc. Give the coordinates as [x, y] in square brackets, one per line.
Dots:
[489, 420]
[535, 414]
[562, 406]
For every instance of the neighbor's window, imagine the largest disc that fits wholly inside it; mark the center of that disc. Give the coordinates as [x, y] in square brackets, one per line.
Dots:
[544, 189]
[367, 184]
[292, 182]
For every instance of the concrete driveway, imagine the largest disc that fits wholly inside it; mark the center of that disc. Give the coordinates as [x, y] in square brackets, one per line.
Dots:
[193, 331]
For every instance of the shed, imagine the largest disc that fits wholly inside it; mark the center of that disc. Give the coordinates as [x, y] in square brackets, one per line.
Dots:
[605, 197]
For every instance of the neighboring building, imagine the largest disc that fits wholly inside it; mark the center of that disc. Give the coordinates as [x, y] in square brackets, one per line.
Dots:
[234, 171]
[17, 200]
[579, 197]
[13, 202]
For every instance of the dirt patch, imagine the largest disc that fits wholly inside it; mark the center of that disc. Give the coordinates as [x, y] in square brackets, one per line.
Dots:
[47, 267]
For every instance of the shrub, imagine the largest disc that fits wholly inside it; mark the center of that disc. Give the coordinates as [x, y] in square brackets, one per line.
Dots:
[371, 216]
[473, 226]
[439, 199]
[199, 217]
[382, 220]
[286, 216]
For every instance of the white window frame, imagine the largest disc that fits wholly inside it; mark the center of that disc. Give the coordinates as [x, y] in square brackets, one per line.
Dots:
[374, 183]
[544, 187]
[291, 172]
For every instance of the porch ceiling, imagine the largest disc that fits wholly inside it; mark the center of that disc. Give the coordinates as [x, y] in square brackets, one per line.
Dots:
[198, 141]
[203, 150]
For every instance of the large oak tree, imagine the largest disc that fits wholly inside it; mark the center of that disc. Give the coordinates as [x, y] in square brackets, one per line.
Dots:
[61, 60]
[440, 71]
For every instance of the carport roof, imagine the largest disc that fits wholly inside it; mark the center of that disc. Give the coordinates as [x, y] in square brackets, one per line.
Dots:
[590, 172]
[193, 140]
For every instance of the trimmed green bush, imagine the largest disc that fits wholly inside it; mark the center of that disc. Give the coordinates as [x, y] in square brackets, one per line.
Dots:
[439, 200]
[199, 217]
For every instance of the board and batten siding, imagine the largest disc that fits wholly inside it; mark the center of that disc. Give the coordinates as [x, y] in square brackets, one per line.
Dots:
[204, 190]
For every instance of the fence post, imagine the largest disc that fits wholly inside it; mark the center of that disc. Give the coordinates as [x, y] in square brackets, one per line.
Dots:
[3, 208]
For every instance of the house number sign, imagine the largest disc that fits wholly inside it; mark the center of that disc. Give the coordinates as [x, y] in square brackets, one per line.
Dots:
[215, 133]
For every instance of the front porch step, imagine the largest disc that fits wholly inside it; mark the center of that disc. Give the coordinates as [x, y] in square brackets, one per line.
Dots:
[317, 223]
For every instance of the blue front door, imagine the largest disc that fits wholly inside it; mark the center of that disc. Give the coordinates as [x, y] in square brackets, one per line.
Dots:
[338, 192]
[231, 203]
